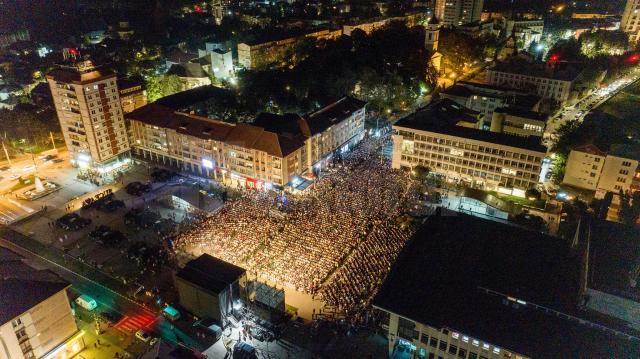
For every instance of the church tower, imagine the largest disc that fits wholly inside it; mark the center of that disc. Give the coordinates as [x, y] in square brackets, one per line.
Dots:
[431, 42]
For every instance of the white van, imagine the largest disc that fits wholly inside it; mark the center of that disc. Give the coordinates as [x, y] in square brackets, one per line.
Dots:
[86, 302]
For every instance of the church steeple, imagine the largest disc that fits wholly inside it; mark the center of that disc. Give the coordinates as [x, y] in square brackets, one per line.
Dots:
[432, 34]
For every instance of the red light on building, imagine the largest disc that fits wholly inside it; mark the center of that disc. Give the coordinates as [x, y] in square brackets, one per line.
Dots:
[198, 8]
[554, 58]
[634, 58]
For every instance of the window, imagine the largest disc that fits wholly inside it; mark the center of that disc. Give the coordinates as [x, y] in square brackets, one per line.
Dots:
[443, 345]
[424, 338]
[462, 353]
[433, 342]
[473, 355]
[453, 349]
[16, 322]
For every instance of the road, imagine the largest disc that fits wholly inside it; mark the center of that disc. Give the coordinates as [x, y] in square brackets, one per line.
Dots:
[587, 104]
[134, 315]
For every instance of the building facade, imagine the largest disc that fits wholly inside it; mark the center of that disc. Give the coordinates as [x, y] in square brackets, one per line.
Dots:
[631, 20]
[481, 159]
[88, 106]
[543, 84]
[40, 323]
[592, 169]
[261, 55]
[132, 95]
[458, 12]
[432, 342]
[274, 151]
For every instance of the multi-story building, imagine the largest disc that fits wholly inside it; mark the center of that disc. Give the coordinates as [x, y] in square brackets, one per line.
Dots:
[88, 106]
[518, 122]
[458, 12]
[439, 137]
[10, 37]
[631, 20]
[132, 94]
[191, 75]
[527, 30]
[36, 320]
[487, 98]
[592, 169]
[262, 54]
[492, 291]
[217, 60]
[545, 81]
[276, 150]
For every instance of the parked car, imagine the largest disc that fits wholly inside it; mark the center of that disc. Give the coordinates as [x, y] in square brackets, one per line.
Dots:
[209, 327]
[146, 337]
[86, 302]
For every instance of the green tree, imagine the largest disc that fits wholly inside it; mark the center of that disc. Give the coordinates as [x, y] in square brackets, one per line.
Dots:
[159, 86]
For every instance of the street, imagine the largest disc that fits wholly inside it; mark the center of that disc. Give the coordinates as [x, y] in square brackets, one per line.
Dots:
[587, 104]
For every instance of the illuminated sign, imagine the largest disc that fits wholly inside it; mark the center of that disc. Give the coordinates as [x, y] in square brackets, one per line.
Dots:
[207, 163]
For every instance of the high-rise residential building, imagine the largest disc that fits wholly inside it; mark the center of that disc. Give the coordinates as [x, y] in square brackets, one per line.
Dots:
[458, 12]
[631, 20]
[88, 106]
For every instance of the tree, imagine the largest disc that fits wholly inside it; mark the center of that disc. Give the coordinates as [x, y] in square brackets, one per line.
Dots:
[629, 208]
[458, 49]
[533, 194]
[420, 172]
[161, 86]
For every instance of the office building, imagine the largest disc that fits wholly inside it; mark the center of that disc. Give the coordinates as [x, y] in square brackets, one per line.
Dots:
[209, 287]
[458, 12]
[444, 138]
[492, 291]
[556, 83]
[487, 98]
[264, 53]
[88, 106]
[631, 20]
[275, 150]
[526, 30]
[36, 320]
[592, 169]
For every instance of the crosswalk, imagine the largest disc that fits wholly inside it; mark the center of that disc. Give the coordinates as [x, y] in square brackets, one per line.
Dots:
[133, 323]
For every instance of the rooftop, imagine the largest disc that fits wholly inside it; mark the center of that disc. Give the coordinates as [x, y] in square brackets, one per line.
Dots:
[520, 112]
[277, 135]
[565, 72]
[80, 74]
[211, 273]
[614, 256]
[187, 69]
[440, 278]
[333, 113]
[443, 116]
[22, 287]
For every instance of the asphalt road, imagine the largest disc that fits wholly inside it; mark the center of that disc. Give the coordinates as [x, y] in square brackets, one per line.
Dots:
[584, 106]
[135, 316]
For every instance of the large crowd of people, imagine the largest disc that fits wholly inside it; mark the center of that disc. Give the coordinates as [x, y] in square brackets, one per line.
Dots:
[337, 241]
